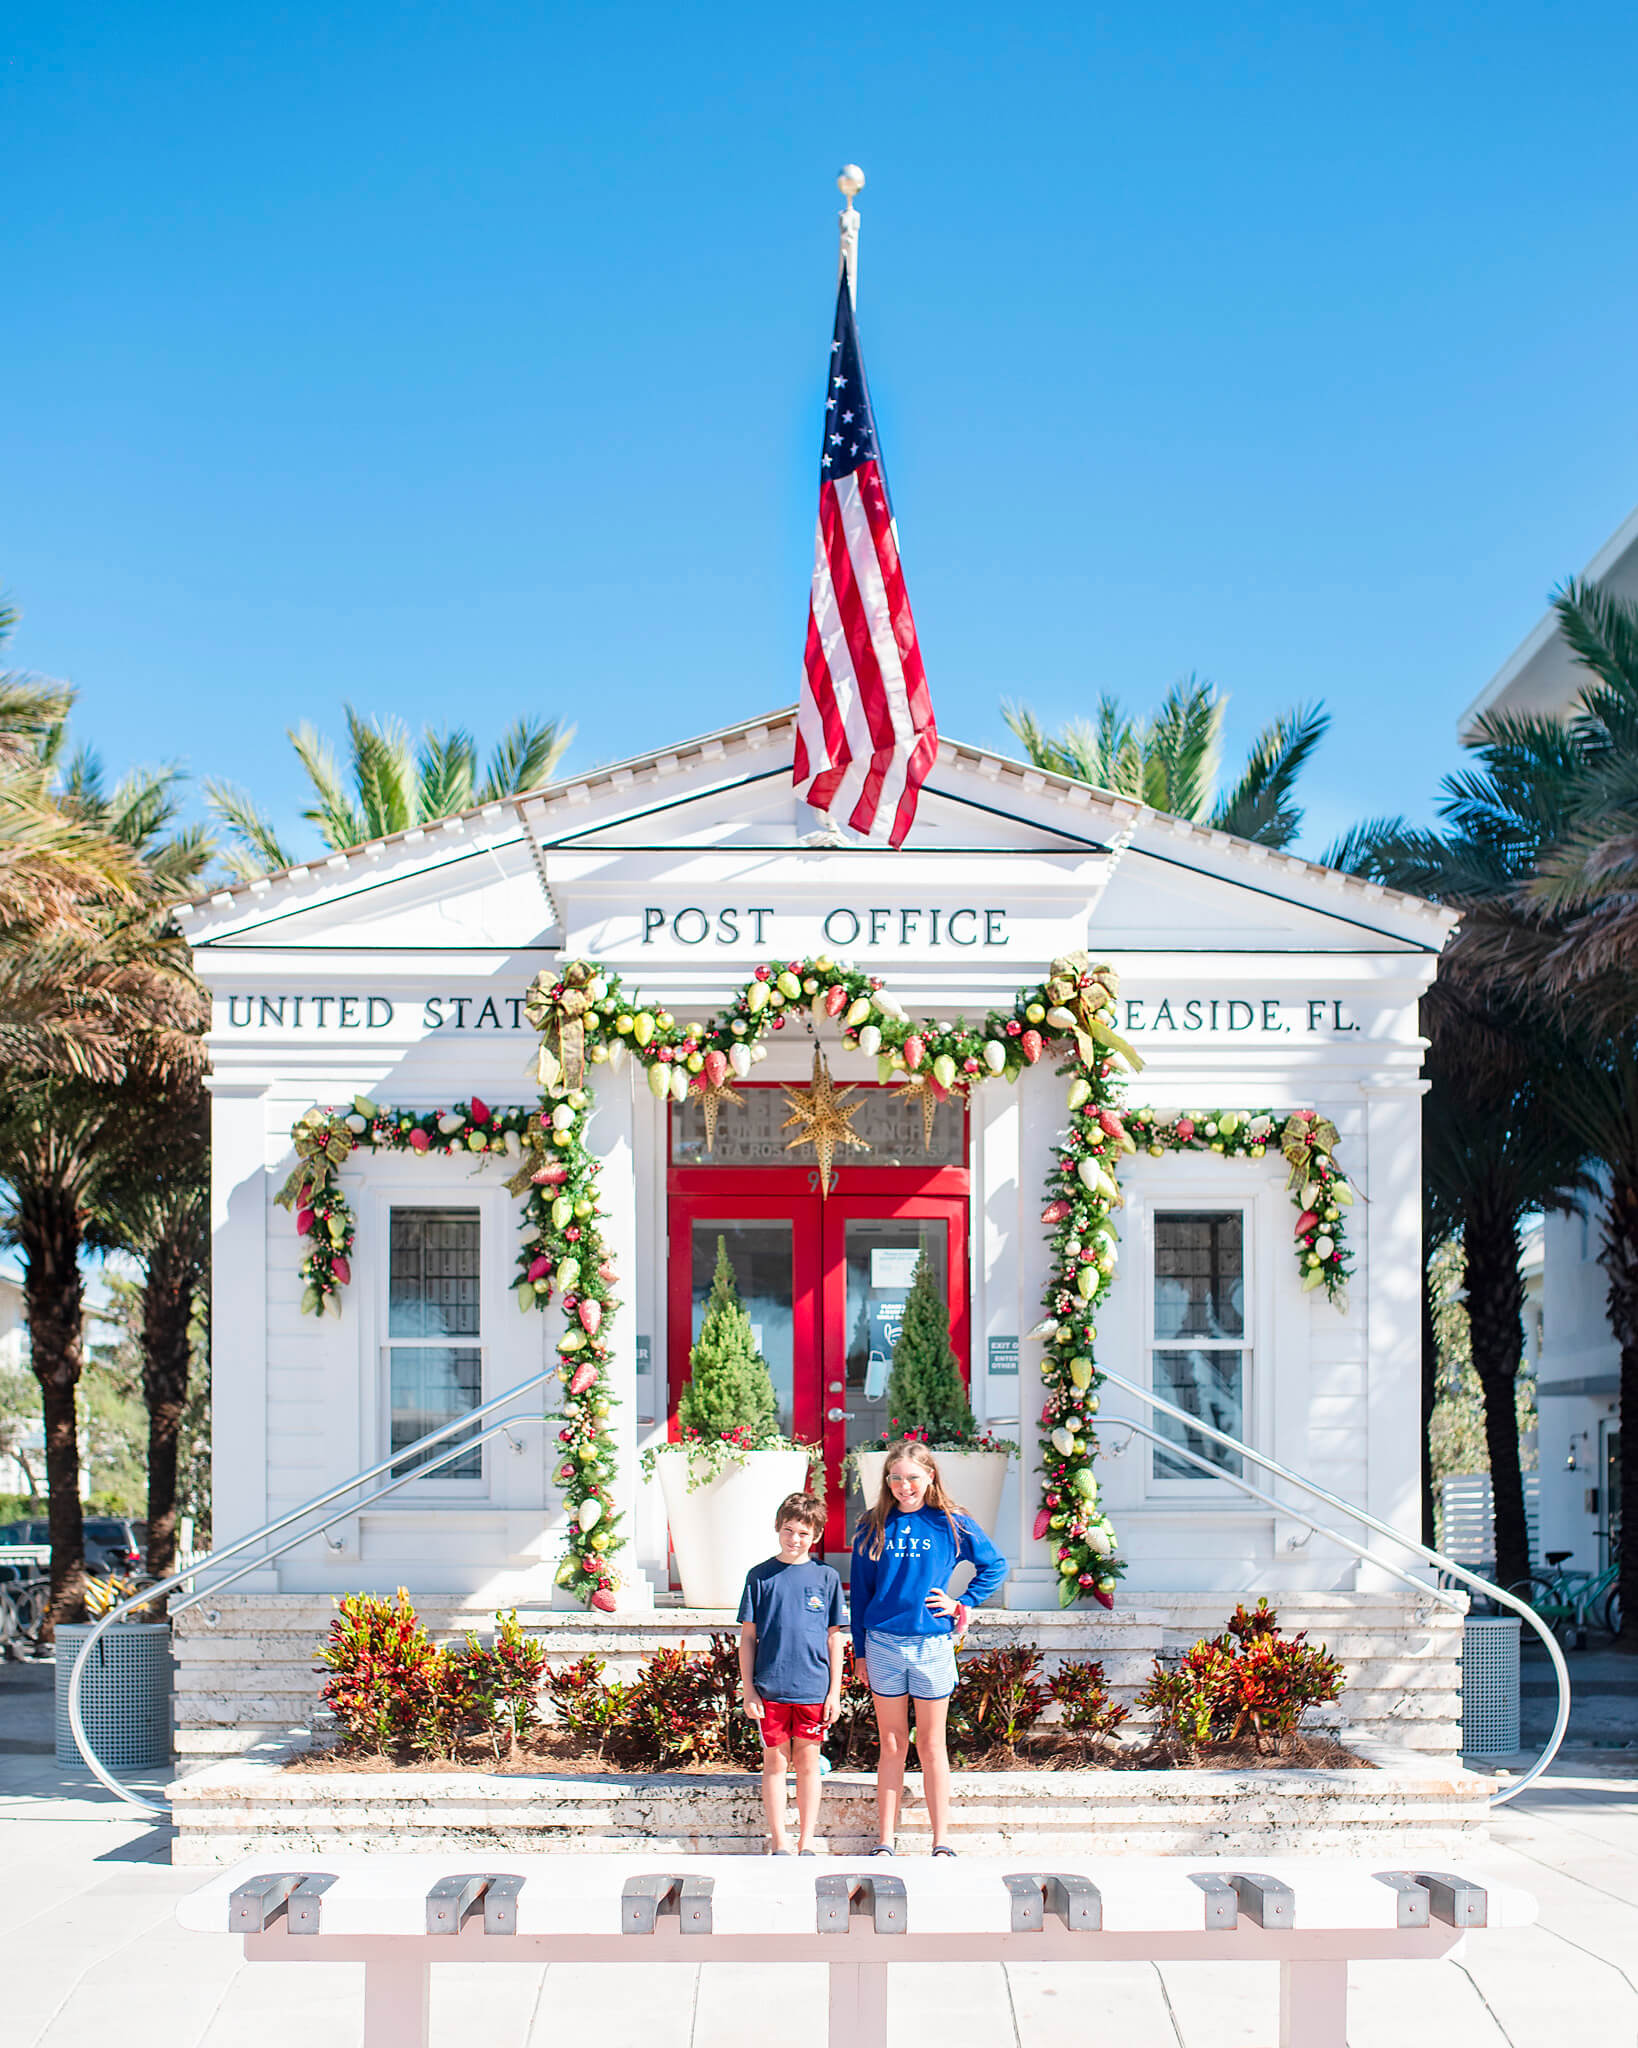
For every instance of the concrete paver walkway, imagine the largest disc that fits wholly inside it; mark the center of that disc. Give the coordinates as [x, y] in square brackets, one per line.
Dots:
[90, 1956]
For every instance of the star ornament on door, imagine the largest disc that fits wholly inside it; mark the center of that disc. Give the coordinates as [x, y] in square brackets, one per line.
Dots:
[821, 1120]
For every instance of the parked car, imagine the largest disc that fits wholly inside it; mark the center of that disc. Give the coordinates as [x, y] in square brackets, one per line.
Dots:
[111, 1545]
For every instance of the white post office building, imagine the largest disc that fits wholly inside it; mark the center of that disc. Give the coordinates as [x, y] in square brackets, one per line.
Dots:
[1249, 980]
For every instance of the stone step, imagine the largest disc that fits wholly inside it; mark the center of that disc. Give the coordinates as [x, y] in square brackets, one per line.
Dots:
[1407, 1807]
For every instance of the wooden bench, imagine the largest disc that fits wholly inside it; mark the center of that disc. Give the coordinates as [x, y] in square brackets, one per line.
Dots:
[397, 1915]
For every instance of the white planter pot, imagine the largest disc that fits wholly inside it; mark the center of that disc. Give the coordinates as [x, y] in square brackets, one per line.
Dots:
[974, 1479]
[723, 1528]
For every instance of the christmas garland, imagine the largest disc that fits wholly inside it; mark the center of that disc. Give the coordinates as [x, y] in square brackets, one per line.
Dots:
[562, 1248]
[1306, 1141]
[325, 1139]
[585, 1019]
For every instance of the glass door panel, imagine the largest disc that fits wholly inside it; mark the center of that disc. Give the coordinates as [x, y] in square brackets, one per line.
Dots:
[761, 1254]
[881, 1254]
[872, 1246]
[773, 1247]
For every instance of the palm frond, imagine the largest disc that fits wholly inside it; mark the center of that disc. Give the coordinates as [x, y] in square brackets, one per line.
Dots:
[1180, 747]
[1260, 806]
[446, 770]
[1601, 631]
[384, 777]
[524, 757]
[258, 849]
[340, 821]
[1366, 848]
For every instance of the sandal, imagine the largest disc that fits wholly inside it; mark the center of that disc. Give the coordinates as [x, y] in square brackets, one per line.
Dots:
[884, 1849]
[943, 1849]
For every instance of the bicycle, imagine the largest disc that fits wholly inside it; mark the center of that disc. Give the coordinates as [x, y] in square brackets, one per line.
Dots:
[1570, 1601]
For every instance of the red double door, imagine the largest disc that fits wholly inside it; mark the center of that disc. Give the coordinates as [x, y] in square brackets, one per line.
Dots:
[824, 1283]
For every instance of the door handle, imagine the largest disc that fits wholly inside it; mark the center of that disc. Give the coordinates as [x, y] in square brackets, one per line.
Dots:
[838, 1414]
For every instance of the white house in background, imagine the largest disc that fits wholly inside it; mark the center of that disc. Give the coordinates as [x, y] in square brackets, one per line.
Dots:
[14, 1470]
[1578, 1386]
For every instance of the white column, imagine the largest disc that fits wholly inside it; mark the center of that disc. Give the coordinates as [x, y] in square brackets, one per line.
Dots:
[1040, 1117]
[611, 1135]
[1393, 1303]
[996, 1309]
[238, 1337]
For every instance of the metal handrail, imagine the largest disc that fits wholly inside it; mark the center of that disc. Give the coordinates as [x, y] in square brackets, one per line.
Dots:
[148, 1594]
[1370, 1521]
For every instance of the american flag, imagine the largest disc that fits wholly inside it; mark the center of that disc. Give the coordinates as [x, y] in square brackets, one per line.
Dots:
[865, 737]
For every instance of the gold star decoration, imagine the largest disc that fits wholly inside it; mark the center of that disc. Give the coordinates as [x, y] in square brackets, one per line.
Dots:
[824, 1123]
[711, 1101]
[920, 1088]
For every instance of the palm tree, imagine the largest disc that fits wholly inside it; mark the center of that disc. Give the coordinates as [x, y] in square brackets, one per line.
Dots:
[70, 1130]
[1171, 761]
[155, 1205]
[392, 783]
[1544, 868]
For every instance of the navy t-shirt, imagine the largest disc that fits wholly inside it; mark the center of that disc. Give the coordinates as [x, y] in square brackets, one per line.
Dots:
[794, 1607]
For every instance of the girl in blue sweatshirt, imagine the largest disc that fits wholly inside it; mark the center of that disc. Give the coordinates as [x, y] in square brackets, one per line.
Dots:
[905, 1624]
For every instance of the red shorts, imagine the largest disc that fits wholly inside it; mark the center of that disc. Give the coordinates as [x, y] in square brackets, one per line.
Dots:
[781, 1719]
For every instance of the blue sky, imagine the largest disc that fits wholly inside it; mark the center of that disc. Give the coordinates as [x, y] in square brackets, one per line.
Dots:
[461, 362]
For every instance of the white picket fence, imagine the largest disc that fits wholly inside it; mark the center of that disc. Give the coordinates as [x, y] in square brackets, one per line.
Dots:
[1467, 1519]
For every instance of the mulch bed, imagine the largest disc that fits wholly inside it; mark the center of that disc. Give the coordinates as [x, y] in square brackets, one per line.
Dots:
[547, 1752]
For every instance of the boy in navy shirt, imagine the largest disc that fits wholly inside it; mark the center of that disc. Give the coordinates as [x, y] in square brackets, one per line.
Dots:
[790, 1664]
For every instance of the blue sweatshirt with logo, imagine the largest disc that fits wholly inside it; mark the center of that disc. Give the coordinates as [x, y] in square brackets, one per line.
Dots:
[919, 1552]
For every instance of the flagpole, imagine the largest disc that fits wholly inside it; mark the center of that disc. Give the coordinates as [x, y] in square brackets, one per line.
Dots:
[850, 181]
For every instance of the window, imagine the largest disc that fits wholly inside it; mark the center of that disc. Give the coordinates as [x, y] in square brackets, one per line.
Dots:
[1201, 1349]
[432, 1296]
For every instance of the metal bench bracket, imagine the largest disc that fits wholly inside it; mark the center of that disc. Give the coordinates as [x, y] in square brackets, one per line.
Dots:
[1411, 1897]
[840, 1895]
[1269, 1902]
[258, 1902]
[1076, 1901]
[1453, 1899]
[644, 1899]
[1222, 1900]
[452, 1898]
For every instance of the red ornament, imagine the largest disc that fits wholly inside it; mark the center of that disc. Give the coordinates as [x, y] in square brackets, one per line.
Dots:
[716, 1068]
[591, 1316]
[915, 1051]
[1031, 1042]
[1043, 1522]
[603, 1600]
[304, 1222]
[1104, 1599]
[539, 1267]
[419, 1140]
[606, 1271]
[1185, 1129]
[1305, 1221]
[835, 999]
[762, 973]
[584, 1376]
[341, 1270]
[478, 1110]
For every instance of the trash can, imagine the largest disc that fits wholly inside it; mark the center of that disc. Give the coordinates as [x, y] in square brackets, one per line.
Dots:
[1490, 1684]
[125, 1695]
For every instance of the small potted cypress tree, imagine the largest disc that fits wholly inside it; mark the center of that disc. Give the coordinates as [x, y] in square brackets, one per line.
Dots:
[729, 1466]
[926, 1399]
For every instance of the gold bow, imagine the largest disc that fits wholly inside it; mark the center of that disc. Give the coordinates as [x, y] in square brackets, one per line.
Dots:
[1075, 984]
[565, 1069]
[323, 1142]
[1305, 1135]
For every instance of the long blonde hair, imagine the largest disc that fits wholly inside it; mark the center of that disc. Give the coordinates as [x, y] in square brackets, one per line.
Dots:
[911, 1452]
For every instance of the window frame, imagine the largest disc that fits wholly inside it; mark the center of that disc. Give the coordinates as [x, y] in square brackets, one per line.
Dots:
[433, 1190]
[1196, 1196]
